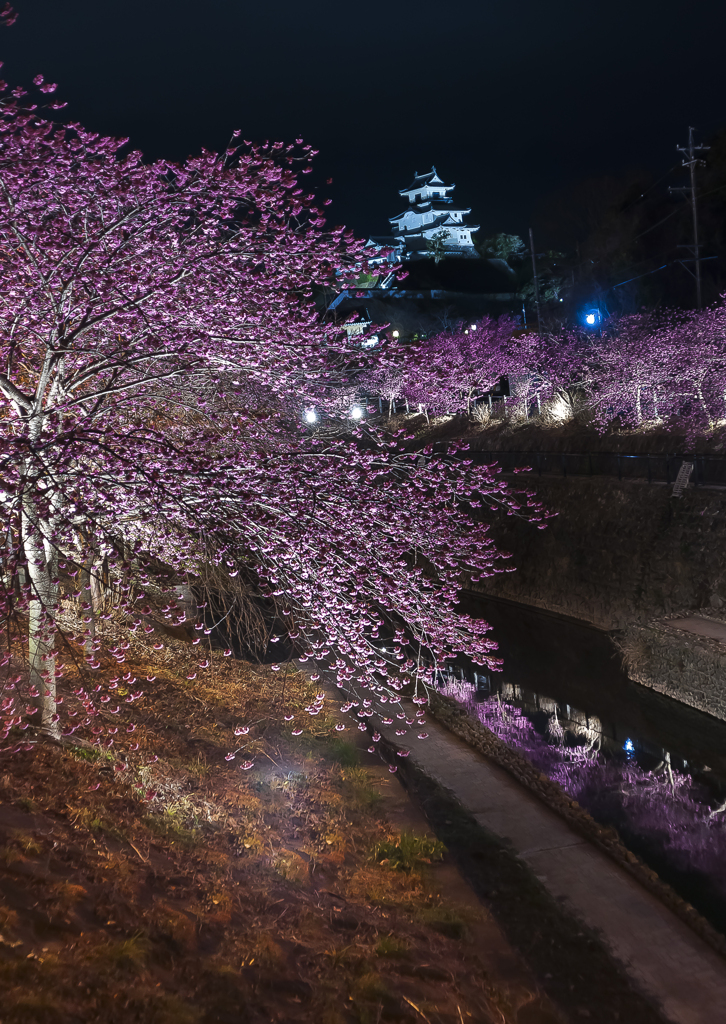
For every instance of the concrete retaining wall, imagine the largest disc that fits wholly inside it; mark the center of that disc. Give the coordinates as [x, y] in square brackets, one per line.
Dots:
[617, 552]
[619, 555]
[681, 665]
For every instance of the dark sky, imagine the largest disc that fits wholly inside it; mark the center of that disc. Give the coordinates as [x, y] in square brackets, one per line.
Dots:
[511, 100]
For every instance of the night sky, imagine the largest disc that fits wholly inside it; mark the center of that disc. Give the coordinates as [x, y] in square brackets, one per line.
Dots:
[512, 101]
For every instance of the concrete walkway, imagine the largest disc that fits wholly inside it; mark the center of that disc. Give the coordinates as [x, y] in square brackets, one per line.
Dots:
[665, 959]
[701, 627]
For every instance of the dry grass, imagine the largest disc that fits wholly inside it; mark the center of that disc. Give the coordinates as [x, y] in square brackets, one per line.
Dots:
[232, 895]
[563, 425]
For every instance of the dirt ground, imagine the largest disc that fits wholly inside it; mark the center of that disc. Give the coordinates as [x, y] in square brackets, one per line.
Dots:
[170, 885]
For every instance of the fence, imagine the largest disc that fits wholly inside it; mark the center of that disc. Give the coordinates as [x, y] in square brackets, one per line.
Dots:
[708, 470]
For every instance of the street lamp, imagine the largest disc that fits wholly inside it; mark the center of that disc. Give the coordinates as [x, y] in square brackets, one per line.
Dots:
[395, 334]
[356, 413]
[311, 416]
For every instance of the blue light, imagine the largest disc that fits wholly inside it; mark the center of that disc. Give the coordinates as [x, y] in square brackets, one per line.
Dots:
[591, 317]
[628, 745]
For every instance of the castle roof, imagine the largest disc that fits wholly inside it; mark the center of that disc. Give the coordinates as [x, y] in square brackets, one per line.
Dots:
[421, 180]
[435, 205]
[442, 222]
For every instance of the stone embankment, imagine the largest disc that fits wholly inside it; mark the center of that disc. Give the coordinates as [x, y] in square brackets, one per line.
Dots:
[627, 557]
[617, 552]
[678, 662]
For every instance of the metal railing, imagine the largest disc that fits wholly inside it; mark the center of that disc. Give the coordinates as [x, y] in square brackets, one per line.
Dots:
[708, 470]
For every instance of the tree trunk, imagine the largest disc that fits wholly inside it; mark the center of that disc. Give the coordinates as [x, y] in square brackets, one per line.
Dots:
[42, 571]
[705, 408]
[89, 583]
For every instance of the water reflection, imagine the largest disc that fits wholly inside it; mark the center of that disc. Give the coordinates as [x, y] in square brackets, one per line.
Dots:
[670, 811]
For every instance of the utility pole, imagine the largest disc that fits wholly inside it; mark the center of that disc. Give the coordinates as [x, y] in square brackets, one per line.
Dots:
[692, 162]
[536, 279]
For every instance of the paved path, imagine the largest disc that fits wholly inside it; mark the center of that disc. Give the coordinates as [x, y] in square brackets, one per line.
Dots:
[702, 627]
[660, 953]
[505, 967]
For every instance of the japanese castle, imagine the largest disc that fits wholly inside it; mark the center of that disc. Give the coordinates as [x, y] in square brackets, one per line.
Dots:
[431, 215]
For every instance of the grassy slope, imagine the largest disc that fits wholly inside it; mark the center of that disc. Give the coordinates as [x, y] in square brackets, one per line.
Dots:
[537, 434]
[231, 896]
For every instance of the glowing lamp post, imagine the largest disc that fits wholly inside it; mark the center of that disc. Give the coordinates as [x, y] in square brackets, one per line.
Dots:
[310, 416]
[356, 413]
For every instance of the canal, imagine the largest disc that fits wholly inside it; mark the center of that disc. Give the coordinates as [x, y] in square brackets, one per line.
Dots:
[653, 768]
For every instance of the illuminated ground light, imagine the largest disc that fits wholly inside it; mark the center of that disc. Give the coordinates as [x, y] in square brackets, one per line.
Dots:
[592, 317]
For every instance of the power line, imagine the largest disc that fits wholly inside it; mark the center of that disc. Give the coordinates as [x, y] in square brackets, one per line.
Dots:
[654, 226]
[638, 277]
[648, 272]
[648, 190]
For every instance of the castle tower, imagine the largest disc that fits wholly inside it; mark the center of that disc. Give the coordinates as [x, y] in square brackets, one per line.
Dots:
[432, 213]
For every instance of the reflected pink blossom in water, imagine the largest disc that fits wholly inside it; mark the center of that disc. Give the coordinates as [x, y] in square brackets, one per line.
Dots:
[665, 810]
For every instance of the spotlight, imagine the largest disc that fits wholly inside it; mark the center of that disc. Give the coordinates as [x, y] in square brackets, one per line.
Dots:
[591, 317]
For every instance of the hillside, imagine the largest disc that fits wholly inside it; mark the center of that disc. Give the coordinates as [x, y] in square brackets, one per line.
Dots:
[170, 885]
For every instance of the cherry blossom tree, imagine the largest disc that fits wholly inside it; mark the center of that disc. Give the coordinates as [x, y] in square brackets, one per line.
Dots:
[665, 366]
[447, 372]
[694, 346]
[158, 344]
[631, 371]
